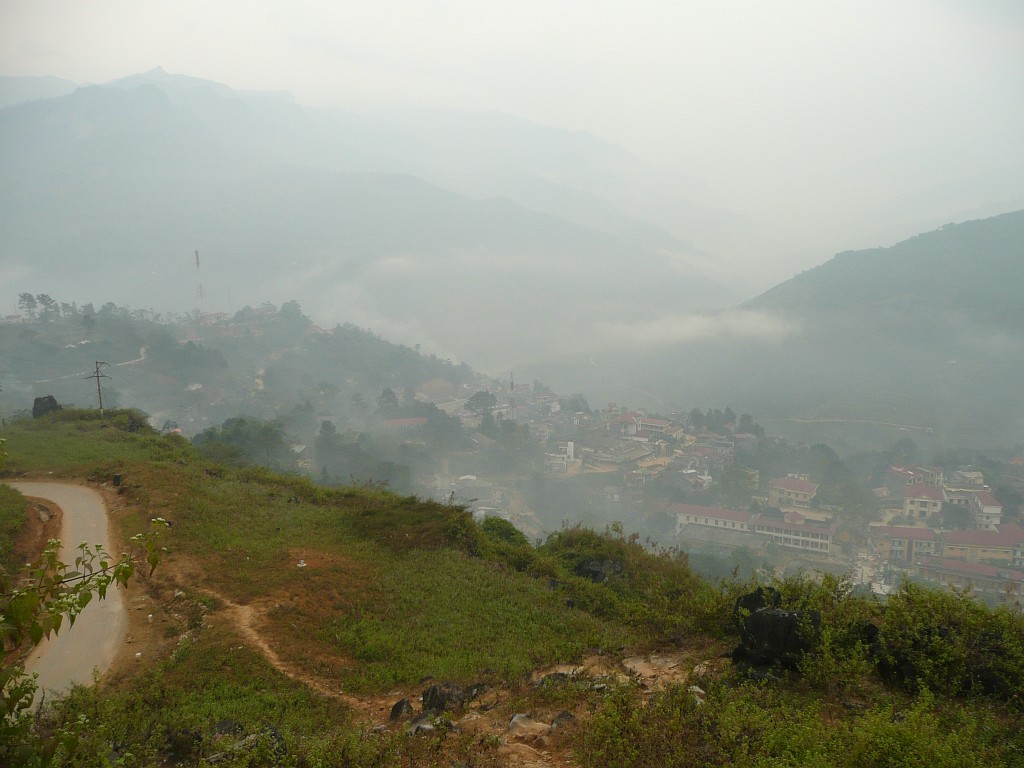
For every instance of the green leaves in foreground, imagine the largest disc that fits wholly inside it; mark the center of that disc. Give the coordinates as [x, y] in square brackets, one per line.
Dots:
[757, 727]
[51, 591]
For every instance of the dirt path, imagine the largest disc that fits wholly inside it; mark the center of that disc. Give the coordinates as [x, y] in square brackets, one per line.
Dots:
[490, 716]
[245, 619]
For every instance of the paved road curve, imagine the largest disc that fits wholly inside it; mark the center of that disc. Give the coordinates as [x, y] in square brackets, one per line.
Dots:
[100, 630]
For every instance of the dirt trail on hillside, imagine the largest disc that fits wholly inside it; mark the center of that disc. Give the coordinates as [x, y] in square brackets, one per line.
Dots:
[488, 717]
[245, 618]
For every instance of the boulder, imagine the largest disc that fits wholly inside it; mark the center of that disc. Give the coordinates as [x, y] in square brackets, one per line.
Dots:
[442, 696]
[562, 719]
[762, 597]
[421, 724]
[401, 709]
[773, 637]
[44, 405]
[523, 728]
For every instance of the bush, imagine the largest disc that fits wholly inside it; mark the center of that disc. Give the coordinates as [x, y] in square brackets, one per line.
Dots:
[951, 644]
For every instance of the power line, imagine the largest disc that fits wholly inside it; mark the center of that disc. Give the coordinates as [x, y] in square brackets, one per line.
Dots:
[98, 375]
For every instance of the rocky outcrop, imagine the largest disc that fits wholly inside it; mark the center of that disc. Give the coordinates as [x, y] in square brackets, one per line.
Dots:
[44, 405]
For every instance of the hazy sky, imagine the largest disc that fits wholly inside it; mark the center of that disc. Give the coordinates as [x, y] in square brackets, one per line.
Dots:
[811, 116]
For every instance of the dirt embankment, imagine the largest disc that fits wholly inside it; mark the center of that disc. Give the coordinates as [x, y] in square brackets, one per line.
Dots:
[43, 520]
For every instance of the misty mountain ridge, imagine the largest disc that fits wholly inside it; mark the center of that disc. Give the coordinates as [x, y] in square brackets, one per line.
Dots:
[141, 172]
[927, 333]
[971, 269]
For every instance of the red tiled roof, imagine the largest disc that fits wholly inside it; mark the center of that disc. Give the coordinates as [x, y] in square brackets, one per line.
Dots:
[795, 484]
[1008, 535]
[769, 518]
[923, 491]
[986, 499]
[655, 422]
[903, 532]
[716, 512]
[971, 569]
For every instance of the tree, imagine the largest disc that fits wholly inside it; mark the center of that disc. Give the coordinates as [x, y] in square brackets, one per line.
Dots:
[955, 517]
[696, 418]
[575, 403]
[387, 403]
[50, 307]
[50, 593]
[27, 304]
[482, 402]
[747, 425]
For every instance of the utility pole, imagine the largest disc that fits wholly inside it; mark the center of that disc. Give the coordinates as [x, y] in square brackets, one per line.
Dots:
[98, 376]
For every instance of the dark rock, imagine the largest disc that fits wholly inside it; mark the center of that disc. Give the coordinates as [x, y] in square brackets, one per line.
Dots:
[773, 637]
[227, 728]
[474, 691]
[184, 744]
[752, 602]
[600, 570]
[562, 719]
[442, 696]
[117, 480]
[401, 709]
[44, 405]
[421, 724]
[554, 679]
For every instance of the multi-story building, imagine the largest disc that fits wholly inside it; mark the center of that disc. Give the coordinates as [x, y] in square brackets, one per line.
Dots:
[793, 531]
[986, 510]
[922, 501]
[982, 546]
[902, 545]
[790, 530]
[792, 491]
[994, 584]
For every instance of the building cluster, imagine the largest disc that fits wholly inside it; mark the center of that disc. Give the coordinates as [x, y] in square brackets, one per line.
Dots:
[633, 448]
[985, 559]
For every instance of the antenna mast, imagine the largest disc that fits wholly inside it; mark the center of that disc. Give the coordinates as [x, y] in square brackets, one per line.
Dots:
[200, 293]
[512, 389]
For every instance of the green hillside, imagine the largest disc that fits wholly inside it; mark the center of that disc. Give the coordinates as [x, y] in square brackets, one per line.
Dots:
[287, 620]
[960, 274]
[926, 335]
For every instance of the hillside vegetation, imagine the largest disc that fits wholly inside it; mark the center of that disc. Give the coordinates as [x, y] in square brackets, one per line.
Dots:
[925, 335]
[288, 618]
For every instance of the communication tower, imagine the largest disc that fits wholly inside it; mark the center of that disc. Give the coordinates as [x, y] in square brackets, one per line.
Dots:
[200, 292]
[512, 390]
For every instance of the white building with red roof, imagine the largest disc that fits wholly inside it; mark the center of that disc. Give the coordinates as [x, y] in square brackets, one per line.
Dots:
[790, 530]
[982, 546]
[922, 501]
[986, 510]
[994, 583]
[902, 544]
[792, 491]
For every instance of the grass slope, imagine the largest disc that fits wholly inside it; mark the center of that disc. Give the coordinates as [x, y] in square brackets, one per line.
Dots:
[395, 589]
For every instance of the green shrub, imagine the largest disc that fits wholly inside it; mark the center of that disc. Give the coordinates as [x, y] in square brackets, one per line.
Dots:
[952, 644]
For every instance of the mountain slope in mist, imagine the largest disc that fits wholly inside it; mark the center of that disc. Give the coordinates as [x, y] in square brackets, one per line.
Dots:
[928, 332]
[109, 190]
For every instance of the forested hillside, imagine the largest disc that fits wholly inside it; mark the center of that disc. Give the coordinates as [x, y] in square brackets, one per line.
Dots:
[926, 335]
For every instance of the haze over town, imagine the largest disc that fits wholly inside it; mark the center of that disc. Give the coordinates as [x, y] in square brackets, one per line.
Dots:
[644, 205]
